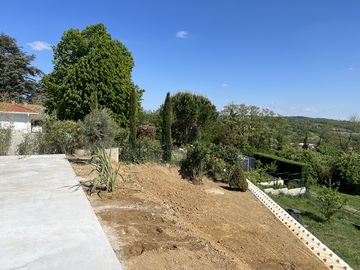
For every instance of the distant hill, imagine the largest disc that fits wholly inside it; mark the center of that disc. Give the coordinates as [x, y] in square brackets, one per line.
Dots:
[314, 123]
[314, 127]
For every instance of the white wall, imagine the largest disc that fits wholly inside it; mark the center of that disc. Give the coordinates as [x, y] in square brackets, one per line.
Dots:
[20, 124]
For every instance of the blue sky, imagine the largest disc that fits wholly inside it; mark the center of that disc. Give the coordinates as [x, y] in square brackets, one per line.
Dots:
[295, 57]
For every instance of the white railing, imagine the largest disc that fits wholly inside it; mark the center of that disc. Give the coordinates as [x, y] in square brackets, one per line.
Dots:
[315, 245]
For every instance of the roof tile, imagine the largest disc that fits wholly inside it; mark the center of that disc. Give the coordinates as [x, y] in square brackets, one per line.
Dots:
[15, 107]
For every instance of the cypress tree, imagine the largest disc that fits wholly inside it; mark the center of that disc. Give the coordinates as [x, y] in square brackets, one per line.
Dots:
[133, 101]
[166, 127]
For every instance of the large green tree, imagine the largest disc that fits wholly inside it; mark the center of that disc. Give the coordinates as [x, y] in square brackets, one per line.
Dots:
[250, 128]
[17, 76]
[90, 63]
[191, 113]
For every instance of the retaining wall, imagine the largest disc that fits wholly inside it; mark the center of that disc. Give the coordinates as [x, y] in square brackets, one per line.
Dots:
[315, 245]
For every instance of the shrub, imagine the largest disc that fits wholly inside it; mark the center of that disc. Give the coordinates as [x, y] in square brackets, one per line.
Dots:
[178, 155]
[347, 171]
[222, 161]
[238, 180]
[330, 201]
[194, 165]
[5, 140]
[145, 150]
[260, 173]
[100, 129]
[60, 136]
[26, 146]
[149, 150]
[32, 144]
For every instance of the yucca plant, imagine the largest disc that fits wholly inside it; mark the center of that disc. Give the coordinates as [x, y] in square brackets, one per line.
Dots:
[107, 174]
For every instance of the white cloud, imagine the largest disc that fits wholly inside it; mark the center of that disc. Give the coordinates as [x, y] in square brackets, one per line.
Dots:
[350, 69]
[182, 34]
[39, 45]
[309, 110]
[225, 85]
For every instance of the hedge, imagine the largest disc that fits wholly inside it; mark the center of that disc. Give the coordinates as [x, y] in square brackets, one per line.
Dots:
[283, 164]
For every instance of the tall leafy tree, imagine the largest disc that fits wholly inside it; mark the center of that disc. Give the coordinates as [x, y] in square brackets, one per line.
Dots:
[166, 114]
[191, 113]
[88, 62]
[17, 76]
[280, 132]
[250, 128]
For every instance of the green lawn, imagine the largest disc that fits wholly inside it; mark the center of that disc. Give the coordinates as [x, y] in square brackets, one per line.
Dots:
[338, 234]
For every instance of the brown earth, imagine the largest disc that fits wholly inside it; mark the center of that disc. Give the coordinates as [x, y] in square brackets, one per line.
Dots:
[156, 220]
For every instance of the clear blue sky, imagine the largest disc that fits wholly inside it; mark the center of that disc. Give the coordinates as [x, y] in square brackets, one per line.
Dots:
[295, 57]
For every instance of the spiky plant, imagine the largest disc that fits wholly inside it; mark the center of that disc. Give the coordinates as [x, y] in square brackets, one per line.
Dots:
[107, 174]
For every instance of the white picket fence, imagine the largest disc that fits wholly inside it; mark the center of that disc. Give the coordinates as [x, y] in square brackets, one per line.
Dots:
[315, 245]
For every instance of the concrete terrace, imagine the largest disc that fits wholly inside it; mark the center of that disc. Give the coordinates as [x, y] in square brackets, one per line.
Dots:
[43, 223]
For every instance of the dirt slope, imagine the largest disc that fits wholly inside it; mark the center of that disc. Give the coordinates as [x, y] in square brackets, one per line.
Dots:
[156, 220]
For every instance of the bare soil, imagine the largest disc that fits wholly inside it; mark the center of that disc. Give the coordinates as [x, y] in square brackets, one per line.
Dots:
[156, 220]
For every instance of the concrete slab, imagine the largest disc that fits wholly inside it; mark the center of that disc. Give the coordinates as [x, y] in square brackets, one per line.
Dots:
[43, 223]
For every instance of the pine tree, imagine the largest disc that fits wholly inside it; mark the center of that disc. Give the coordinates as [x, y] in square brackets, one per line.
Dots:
[16, 75]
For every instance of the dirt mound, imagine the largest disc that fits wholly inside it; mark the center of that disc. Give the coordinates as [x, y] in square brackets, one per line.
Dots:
[156, 220]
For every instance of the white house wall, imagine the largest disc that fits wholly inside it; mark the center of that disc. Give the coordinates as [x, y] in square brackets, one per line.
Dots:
[19, 122]
[20, 125]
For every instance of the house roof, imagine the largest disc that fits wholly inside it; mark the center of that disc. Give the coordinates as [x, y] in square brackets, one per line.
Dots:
[14, 107]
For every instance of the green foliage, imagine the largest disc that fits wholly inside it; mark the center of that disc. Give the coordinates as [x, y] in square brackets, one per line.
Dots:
[260, 173]
[191, 112]
[283, 164]
[339, 235]
[339, 134]
[132, 137]
[26, 147]
[330, 201]
[90, 63]
[60, 137]
[5, 139]
[238, 180]
[320, 165]
[151, 118]
[177, 156]
[17, 80]
[250, 128]
[34, 144]
[194, 166]
[107, 174]
[166, 114]
[149, 150]
[146, 150]
[347, 171]
[223, 159]
[100, 130]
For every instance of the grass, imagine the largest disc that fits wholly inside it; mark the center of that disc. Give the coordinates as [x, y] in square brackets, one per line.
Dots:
[338, 234]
